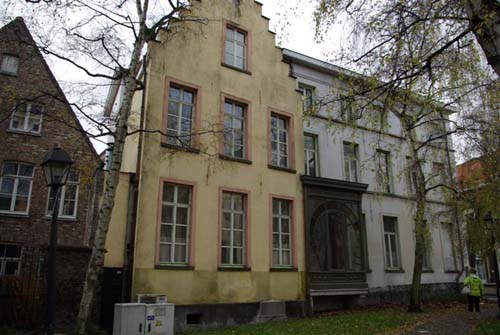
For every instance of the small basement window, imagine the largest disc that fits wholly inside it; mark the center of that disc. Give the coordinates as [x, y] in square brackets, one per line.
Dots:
[193, 319]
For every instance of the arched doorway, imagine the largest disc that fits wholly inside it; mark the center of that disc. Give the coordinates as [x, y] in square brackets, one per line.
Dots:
[336, 241]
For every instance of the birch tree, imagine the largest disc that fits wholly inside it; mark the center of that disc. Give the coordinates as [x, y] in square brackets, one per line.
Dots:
[440, 51]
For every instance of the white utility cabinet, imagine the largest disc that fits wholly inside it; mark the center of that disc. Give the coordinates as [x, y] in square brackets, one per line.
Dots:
[143, 319]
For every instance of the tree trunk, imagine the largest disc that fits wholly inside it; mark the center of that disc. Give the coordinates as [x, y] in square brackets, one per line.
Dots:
[96, 261]
[420, 229]
[485, 22]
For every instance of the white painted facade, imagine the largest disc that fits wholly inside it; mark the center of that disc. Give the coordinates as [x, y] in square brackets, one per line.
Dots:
[331, 133]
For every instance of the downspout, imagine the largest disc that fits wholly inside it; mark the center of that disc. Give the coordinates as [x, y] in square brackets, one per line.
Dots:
[455, 206]
[133, 199]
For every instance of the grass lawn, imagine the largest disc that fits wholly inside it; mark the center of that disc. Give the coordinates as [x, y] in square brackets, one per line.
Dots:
[354, 323]
[491, 327]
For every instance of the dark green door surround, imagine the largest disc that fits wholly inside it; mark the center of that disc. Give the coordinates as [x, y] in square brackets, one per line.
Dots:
[335, 237]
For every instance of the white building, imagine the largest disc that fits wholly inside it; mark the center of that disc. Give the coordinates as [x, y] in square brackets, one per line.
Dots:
[359, 194]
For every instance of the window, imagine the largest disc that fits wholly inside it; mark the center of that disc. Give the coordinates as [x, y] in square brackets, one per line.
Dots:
[383, 171]
[282, 233]
[439, 173]
[311, 154]
[181, 114]
[233, 229]
[448, 245]
[351, 161]
[279, 141]
[68, 198]
[10, 257]
[307, 97]
[234, 129]
[391, 243]
[15, 187]
[426, 259]
[236, 48]
[411, 176]
[9, 64]
[27, 118]
[175, 224]
[346, 109]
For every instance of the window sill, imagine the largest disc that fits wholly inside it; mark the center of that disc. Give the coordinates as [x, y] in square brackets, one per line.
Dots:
[279, 168]
[10, 74]
[177, 147]
[174, 267]
[427, 271]
[394, 270]
[60, 218]
[276, 269]
[451, 271]
[14, 215]
[236, 68]
[234, 159]
[22, 132]
[233, 269]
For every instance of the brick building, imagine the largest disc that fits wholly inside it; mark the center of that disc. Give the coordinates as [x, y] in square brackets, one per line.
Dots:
[34, 115]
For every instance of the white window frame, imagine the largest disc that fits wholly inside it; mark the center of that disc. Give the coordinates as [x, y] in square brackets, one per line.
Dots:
[447, 229]
[389, 237]
[27, 116]
[234, 42]
[281, 217]
[351, 173]
[232, 212]
[230, 118]
[411, 176]
[383, 172]
[5, 64]
[16, 178]
[62, 198]
[174, 224]
[5, 259]
[311, 154]
[175, 133]
[307, 96]
[277, 130]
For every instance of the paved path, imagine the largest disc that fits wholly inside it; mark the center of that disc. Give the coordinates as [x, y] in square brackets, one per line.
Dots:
[453, 321]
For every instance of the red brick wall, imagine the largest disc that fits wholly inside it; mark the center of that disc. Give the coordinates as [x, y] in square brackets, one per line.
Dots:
[34, 82]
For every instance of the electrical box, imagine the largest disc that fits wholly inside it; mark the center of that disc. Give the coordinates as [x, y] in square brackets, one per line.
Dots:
[160, 319]
[129, 319]
[152, 298]
[144, 319]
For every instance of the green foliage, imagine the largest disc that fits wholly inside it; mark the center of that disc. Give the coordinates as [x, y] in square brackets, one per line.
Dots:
[371, 322]
[9, 331]
[491, 327]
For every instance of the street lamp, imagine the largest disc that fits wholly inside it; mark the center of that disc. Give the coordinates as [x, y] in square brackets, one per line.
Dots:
[56, 165]
[490, 222]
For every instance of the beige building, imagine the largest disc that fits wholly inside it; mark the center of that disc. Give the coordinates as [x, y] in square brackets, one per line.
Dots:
[209, 206]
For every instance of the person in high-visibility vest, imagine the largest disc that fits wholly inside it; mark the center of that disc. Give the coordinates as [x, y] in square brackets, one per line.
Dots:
[475, 285]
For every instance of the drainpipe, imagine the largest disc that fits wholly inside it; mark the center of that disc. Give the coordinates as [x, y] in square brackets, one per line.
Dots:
[455, 208]
[133, 199]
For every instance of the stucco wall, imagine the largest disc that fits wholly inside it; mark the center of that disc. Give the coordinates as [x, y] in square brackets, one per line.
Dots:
[194, 55]
[330, 138]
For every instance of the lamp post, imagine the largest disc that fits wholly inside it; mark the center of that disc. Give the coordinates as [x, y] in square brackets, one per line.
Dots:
[490, 222]
[56, 165]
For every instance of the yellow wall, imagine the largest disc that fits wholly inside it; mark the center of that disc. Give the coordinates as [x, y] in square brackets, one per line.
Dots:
[195, 57]
[115, 241]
